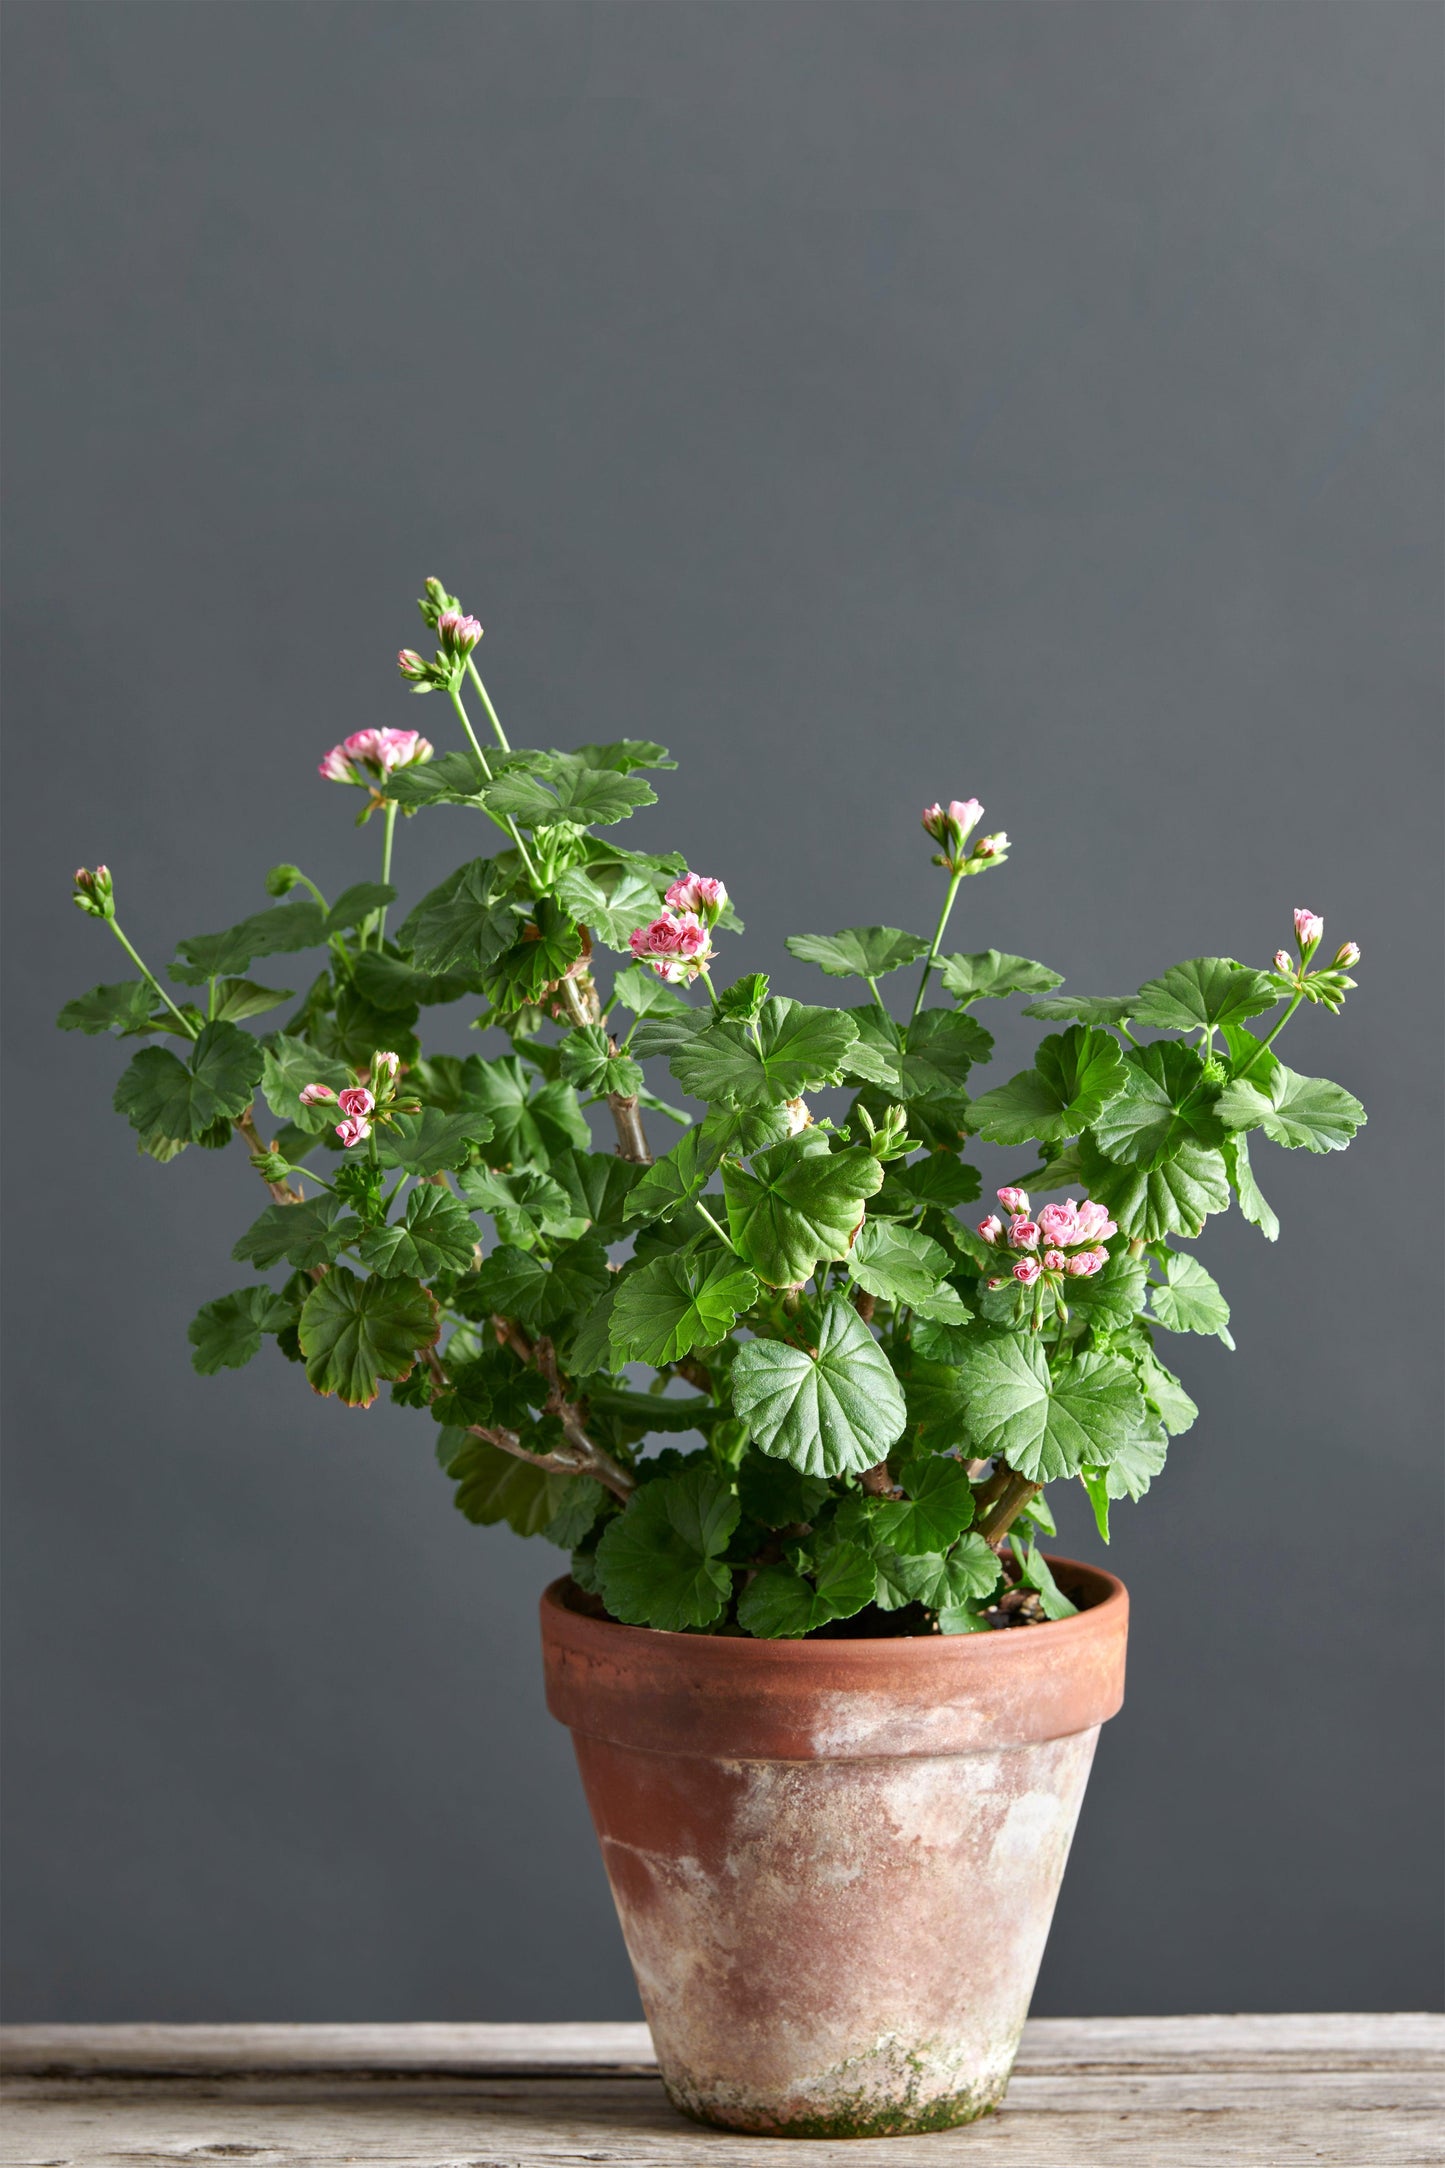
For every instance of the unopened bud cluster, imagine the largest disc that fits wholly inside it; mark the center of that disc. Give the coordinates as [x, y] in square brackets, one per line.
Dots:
[1064, 1242]
[1328, 984]
[365, 1106]
[951, 826]
[93, 892]
[457, 634]
[677, 945]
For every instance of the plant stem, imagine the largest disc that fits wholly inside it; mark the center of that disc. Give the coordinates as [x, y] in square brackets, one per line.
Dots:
[149, 976]
[1267, 1043]
[627, 1121]
[718, 1231]
[1008, 1506]
[245, 1128]
[387, 834]
[487, 704]
[932, 957]
[503, 821]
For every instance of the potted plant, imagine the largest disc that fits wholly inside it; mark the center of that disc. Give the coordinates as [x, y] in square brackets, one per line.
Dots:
[833, 1705]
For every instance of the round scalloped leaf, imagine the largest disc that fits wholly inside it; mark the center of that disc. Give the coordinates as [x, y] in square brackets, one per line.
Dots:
[799, 1203]
[163, 1097]
[1208, 990]
[354, 1333]
[664, 1309]
[1167, 1101]
[660, 1562]
[858, 952]
[833, 1410]
[1075, 1075]
[1047, 1427]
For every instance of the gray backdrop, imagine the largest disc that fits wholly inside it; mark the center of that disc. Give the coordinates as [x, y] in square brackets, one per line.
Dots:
[876, 403]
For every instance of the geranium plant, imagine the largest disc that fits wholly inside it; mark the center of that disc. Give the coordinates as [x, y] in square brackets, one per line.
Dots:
[883, 1385]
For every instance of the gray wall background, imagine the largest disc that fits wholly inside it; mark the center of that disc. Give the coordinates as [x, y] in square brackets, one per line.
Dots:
[876, 403]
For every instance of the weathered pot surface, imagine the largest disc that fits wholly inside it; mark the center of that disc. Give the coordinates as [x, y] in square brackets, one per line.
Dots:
[835, 1862]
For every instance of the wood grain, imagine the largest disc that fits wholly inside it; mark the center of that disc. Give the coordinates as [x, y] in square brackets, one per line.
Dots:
[1335, 2091]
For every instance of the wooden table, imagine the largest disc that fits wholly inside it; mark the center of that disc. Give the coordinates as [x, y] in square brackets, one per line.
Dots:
[1174, 2092]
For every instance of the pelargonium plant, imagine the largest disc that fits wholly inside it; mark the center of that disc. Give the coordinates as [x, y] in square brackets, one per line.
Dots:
[883, 1384]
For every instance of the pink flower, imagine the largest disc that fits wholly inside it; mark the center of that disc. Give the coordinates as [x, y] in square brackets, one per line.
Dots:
[312, 1094]
[1084, 1263]
[1308, 926]
[676, 947]
[952, 825]
[1283, 961]
[1027, 1269]
[379, 751]
[1014, 1200]
[457, 632]
[413, 666]
[1058, 1223]
[991, 1228]
[356, 1102]
[1347, 955]
[337, 768]
[352, 1132]
[384, 1065]
[1023, 1234]
[1055, 1260]
[965, 814]
[1094, 1223]
[697, 893]
[994, 846]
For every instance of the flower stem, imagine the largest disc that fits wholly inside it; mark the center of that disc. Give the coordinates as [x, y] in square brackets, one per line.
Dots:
[1265, 1044]
[387, 834]
[504, 822]
[487, 704]
[932, 957]
[719, 1231]
[149, 976]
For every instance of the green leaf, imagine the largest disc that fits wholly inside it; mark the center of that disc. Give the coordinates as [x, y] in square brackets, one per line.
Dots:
[494, 1486]
[356, 1332]
[672, 1181]
[549, 944]
[939, 1050]
[357, 903]
[1252, 1200]
[1046, 1427]
[667, 1032]
[835, 1410]
[166, 1098]
[436, 1235]
[738, 1132]
[305, 1235]
[543, 1294]
[1035, 1573]
[1208, 990]
[797, 1049]
[900, 1264]
[1095, 1009]
[625, 754]
[990, 974]
[1293, 1110]
[280, 931]
[1113, 1298]
[527, 1126]
[858, 952]
[1167, 1101]
[464, 923]
[1174, 1199]
[569, 790]
[226, 1333]
[969, 1573]
[742, 1002]
[396, 988]
[237, 999]
[662, 1310]
[611, 900]
[590, 1064]
[1190, 1299]
[779, 1604]
[644, 993]
[777, 1495]
[122, 1008]
[598, 1186]
[1164, 1393]
[660, 1562]
[936, 1511]
[432, 1142]
[1075, 1075]
[289, 1066]
[450, 779]
[800, 1203]
[939, 1179]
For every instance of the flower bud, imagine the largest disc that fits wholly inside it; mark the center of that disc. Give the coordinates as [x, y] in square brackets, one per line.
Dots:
[991, 1228]
[94, 892]
[994, 846]
[995, 1285]
[1054, 1260]
[282, 879]
[1284, 963]
[312, 1095]
[1014, 1200]
[699, 893]
[1347, 955]
[1023, 1234]
[457, 632]
[434, 600]
[415, 668]
[935, 822]
[1027, 1270]
[384, 1068]
[1308, 927]
[271, 1165]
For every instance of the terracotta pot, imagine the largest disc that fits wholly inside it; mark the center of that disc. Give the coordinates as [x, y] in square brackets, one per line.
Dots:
[835, 1862]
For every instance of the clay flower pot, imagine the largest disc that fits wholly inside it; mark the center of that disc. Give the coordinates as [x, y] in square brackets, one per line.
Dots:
[835, 1862]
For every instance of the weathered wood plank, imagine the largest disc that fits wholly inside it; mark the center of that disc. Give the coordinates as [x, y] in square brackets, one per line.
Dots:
[1337, 2092]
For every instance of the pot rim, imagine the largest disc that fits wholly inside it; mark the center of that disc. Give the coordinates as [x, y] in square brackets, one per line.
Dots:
[865, 1649]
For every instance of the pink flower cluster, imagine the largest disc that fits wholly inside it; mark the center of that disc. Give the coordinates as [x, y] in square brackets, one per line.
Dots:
[676, 945]
[702, 896]
[1065, 1238]
[357, 1103]
[952, 825]
[371, 755]
[457, 632]
[1309, 931]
